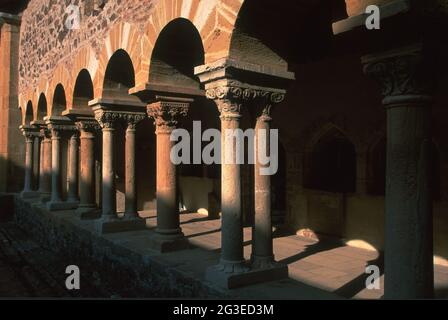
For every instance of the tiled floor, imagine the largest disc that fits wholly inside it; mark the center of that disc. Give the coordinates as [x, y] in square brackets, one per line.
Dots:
[325, 265]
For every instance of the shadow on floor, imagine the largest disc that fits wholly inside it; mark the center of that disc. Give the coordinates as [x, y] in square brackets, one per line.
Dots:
[311, 249]
[352, 288]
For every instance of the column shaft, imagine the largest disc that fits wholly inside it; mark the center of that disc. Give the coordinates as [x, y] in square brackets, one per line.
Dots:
[73, 162]
[408, 231]
[167, 199]
[56, 183]
[232, 226]
[28, 163]
[109, 197]
[131, 188]
[45, 183]
[262, 242]
[36, 162]
[87, 185]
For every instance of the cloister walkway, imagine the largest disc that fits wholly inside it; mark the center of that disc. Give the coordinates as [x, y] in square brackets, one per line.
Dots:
[325, 265]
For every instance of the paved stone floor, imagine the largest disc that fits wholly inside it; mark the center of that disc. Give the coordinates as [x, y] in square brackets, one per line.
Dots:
[323, 270]
[325, 265]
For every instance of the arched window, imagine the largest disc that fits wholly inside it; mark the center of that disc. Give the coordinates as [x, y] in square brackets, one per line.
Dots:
[333, 164]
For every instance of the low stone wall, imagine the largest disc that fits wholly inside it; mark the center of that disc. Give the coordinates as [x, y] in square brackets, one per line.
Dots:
[109, 263]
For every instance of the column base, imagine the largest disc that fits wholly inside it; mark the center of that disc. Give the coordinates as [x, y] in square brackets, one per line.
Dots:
[229, 277]
[90, 212]
[169, 243]
[45, 197]
[61, 205]
[29, 194]
[113, 224]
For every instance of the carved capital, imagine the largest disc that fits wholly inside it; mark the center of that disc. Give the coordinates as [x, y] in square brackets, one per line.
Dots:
[88, 125]
[131, 120]
[401, 74]
[231, 97]
[107, 119]
[166, 114]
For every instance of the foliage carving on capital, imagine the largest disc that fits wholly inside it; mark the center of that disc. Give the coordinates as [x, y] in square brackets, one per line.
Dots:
[131, 120]
[107, 119]
[166, 114]
[404, 74]
[89, 126]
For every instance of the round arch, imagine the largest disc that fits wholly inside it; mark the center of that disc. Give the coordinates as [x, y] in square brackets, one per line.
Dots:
[119, 77]
[28, 117]
[83, 90]
[59, 101]
[178, 50]
[42, 107]
[332, 163]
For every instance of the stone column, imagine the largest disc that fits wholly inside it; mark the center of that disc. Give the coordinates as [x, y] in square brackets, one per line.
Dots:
[262, 248]
[45, 168]
[87, 167]
[406, 83]
[165, 114]
[73, 164]
[229, 103]
[29, 140]
[107, 121]
[36, 161]
[56, 187]
[130, 158]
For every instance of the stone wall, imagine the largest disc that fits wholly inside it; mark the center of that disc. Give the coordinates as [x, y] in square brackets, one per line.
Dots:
[46, 42]
[117, 268]
[12, 151]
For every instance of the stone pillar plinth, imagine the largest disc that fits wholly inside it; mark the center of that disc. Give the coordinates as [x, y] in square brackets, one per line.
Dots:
[406, 84]
[87, 202]
[166, 113]
[29, 133]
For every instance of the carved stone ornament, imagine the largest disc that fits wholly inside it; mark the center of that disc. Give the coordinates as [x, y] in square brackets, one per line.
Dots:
[107, 119]
[131, 120]
[399, 75]
[166, 114]
[90, 126]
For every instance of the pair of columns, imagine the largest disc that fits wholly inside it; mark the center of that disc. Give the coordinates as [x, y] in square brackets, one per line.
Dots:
[30, 133]
[406, 80]
[231, 99]
[59, 128]
[108, 120]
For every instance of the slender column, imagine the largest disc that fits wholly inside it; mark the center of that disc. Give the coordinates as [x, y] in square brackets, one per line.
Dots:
[165, 114]
[87, 170]
[56, 191]
[45, 163]
[262, 249]
[107, 121]
[36, 161]
[130, 174]
[29, 140]
[408, 230]
[73, 162]
[232, 254]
